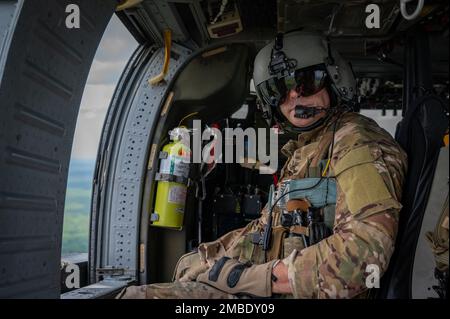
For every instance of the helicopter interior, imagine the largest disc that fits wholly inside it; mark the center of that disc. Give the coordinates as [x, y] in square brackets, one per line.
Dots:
[401, 69]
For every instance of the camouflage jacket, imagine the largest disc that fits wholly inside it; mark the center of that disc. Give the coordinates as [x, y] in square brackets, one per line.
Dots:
[369, 167]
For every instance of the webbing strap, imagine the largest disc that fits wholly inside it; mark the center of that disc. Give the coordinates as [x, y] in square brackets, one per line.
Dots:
[171, 178]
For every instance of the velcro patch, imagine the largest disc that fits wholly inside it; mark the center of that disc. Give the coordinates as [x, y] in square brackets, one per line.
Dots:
[217, 268]
[360, 181]
[235, 275]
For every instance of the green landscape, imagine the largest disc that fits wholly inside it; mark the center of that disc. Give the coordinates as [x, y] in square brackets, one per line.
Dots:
[77, 207]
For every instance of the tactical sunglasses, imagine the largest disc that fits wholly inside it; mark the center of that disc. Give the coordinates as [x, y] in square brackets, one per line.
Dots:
[306, 82]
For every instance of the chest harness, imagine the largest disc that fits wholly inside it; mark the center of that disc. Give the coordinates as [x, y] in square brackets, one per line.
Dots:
[307, 210]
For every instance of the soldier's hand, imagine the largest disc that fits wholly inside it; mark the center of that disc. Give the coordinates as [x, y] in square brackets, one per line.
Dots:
[231, 276]
[281, 285]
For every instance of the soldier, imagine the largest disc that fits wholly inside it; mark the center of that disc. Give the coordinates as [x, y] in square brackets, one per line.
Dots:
[336, 208]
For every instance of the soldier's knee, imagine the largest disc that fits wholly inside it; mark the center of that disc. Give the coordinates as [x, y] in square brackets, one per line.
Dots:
[133, 292]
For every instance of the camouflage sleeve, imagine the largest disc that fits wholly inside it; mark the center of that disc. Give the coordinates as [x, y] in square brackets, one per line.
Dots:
[228, 244]
[370, 177]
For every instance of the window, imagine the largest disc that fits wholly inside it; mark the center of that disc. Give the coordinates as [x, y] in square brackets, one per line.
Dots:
[387, 121]
[114, 50]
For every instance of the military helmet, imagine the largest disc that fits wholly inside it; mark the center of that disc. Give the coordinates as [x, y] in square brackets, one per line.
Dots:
[303, 59]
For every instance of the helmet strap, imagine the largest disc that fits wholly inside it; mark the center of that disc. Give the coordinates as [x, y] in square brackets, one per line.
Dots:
[319, 122]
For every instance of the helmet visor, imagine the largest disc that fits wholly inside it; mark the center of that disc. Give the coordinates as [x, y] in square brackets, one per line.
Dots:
[306, 81]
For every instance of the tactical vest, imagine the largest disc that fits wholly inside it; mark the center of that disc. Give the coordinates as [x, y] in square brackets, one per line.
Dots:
[303, 216]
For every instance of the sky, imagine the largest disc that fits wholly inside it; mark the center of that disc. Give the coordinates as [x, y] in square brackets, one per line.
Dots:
[114, 50]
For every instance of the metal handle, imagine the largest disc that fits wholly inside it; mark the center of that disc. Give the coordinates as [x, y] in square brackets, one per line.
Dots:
[126, 4]
[416, 12]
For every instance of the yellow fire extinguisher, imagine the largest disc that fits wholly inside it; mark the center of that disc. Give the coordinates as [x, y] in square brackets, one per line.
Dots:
[172, 181]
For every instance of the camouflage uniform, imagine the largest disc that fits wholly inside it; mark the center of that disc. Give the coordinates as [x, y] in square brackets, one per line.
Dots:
[369, 167]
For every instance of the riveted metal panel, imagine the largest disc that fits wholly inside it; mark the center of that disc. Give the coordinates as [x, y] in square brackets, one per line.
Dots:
[44, 70]
[128, 162]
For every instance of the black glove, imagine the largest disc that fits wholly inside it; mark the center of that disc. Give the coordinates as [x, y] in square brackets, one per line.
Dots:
[231, 276]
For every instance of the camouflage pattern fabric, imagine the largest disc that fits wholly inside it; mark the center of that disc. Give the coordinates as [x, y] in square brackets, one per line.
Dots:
[174, 290]
[370, 169]
[439, 240]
